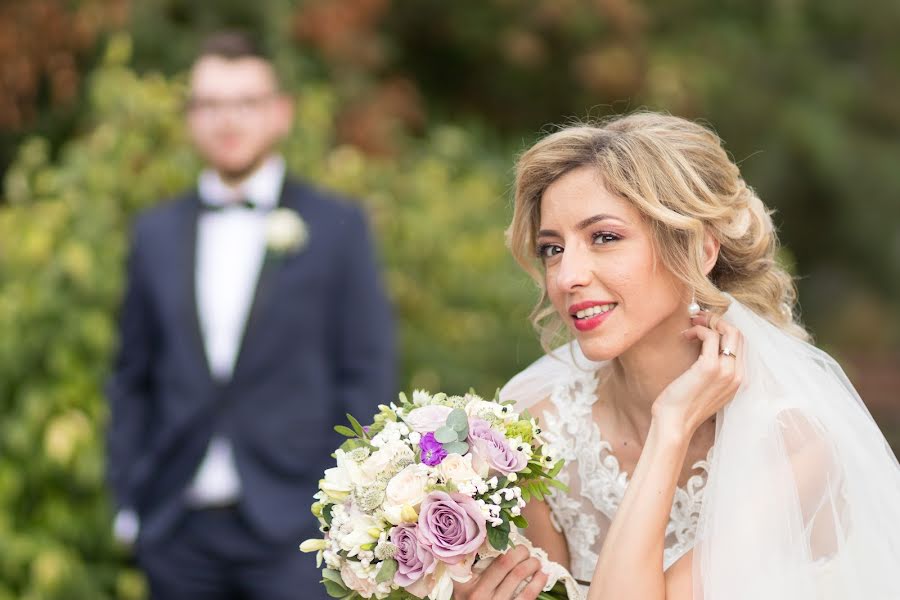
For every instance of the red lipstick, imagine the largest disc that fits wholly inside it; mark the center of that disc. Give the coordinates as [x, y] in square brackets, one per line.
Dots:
[592, 322]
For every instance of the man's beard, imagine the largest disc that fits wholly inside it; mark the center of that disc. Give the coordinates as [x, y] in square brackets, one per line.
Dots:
[236, 176]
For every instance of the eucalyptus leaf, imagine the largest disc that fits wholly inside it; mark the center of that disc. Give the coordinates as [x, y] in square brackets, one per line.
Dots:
[445, 435]
[456, 447]
[458, 420]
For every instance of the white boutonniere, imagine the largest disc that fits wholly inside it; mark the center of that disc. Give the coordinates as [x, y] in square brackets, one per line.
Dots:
[286, 232]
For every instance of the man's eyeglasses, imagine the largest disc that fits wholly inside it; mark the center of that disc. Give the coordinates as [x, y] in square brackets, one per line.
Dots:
[217, 106]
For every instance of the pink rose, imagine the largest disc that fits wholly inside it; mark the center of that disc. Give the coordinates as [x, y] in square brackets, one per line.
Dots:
[414, 559]
[451, 525]
[491, 447]
[427, 418]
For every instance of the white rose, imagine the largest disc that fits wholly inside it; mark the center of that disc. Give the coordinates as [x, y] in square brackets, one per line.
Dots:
[286, 231]
[457, 469]
[428, 418]
[406, 488]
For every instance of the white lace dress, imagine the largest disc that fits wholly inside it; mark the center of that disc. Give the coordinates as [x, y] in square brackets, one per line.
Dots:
[596, 483]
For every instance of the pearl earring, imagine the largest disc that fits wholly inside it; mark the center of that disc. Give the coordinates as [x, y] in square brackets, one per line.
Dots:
[693, 307]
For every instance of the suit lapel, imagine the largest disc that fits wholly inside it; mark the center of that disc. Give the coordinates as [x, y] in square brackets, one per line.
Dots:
[263, 296]
[187, 263]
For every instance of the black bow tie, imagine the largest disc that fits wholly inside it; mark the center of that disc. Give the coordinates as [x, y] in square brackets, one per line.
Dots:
[220, 207]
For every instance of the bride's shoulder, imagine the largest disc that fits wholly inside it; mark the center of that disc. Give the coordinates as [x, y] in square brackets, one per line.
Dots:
[562, 373]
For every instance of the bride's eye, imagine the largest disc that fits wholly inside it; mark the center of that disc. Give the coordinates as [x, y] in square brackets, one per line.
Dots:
[605, 237]
[546, 251]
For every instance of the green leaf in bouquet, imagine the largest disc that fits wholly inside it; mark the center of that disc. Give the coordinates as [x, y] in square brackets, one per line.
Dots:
[335, 590]
[403, 399]
[445, 435]
[333, 575]
[499, 536]
[354, 443]
[556, 468]
[519, 521]
[558, 485]
[387, 571]
[326, 513]
[458, 421]
[558, 592]
[456, 448]
[345, 431]
[356, 426]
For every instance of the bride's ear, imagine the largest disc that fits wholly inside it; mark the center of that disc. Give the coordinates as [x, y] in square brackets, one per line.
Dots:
[710, 252]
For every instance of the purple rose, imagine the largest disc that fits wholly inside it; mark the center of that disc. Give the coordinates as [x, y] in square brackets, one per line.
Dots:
[432, 450]
[414, 559]
[451, 525]
[490, 446]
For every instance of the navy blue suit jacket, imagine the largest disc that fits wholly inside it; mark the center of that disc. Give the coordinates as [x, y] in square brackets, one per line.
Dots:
[318, 343]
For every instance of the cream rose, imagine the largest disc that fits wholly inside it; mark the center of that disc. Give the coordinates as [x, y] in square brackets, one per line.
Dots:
[457, 469]
[406, 488]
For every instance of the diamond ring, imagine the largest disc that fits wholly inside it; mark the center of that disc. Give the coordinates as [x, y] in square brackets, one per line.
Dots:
[728, 352]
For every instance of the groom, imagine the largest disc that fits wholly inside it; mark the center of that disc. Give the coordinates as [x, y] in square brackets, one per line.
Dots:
[253, 319]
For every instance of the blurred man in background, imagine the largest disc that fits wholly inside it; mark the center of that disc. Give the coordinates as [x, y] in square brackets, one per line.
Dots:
[253, 319]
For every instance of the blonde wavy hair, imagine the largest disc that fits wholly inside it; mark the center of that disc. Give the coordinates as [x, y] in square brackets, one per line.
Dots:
[678, 176]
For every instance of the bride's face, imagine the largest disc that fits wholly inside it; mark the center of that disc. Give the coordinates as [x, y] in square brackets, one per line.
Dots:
[601, 272]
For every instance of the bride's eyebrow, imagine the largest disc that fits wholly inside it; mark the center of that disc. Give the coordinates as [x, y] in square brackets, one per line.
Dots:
[584, 224]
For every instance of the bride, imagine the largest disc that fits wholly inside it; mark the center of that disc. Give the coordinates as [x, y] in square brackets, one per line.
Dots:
[712, 453]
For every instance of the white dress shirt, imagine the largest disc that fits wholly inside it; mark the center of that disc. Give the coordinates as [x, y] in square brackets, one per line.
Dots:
[231, 247]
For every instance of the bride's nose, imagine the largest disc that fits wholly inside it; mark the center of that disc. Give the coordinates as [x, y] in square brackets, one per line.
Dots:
[574, 269]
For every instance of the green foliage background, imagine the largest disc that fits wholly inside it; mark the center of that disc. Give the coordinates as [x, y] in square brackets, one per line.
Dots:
[806, 95]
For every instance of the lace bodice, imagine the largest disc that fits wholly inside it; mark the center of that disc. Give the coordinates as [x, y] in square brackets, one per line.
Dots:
[595, 481]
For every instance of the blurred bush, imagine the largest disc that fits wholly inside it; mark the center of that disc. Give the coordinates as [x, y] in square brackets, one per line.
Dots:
[439, 210]
[45, 47]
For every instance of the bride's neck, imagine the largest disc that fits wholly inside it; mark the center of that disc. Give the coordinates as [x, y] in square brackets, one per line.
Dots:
[641, 374]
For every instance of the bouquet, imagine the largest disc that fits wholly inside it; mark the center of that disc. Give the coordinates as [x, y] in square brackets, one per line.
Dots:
[429, 494]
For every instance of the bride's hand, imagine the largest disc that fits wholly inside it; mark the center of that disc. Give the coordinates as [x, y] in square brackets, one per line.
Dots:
[500, 580]
[710, 383]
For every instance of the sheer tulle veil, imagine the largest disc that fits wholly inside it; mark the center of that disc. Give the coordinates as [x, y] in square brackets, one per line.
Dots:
[803, 496]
